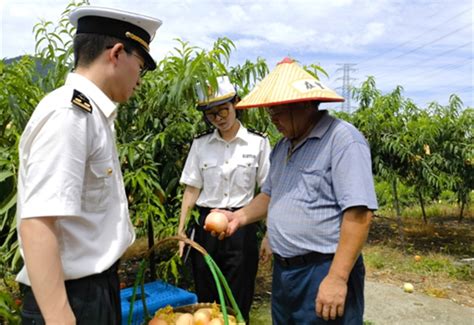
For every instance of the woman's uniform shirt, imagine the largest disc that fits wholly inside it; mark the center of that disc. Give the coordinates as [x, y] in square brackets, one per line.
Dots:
[227, 172]
[69, 169]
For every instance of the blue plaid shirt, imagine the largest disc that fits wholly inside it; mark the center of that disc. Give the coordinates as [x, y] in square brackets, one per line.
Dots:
[311, 186]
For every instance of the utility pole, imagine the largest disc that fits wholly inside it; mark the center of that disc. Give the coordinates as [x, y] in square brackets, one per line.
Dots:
[347, 68]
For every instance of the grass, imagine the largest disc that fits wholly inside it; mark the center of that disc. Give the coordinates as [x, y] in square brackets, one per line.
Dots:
[380, 257]
[435, 211]
[426, 255]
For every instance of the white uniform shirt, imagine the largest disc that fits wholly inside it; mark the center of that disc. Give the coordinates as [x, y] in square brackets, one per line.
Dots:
[69, 169]
[227, 172]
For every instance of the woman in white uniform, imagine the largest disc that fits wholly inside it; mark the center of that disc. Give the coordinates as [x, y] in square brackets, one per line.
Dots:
[222, 170]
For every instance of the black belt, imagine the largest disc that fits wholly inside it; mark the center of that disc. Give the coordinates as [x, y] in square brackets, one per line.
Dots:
[301, 260]
[110, 271]
[200, 208]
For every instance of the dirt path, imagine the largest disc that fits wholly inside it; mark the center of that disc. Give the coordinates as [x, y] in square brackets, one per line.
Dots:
[388, 304]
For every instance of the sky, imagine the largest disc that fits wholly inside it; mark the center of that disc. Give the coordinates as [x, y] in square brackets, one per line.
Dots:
[426, 46]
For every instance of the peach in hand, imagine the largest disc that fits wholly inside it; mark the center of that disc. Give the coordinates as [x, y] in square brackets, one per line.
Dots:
[217, 222]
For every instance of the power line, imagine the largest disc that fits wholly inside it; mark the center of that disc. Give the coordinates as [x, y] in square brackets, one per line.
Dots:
[442, 69]
[433, 41]
[449, 67]
[423, 61]
[416, 37]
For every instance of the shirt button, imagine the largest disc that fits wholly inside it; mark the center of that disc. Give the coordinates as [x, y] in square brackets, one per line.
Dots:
[227, 146]
[205, 165]
[225, 178]
[226, 161]
[109, 171]
[225, 194]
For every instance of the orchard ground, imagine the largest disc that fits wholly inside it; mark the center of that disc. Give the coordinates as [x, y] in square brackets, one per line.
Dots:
[433, 257]
[442, 274]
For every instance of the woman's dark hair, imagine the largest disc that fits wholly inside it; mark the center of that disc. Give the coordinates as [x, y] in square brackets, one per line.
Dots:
[88, 47]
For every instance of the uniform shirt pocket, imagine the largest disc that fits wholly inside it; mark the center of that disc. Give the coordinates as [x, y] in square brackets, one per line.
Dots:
[97, 185]
[210, 173]
[246, 172]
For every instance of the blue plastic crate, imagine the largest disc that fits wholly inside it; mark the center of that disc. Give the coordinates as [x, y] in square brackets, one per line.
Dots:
[158, 294]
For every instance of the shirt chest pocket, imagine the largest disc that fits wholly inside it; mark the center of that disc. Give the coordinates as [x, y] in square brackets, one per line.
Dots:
[210, 172]
[246, 173]
[310, 183]
[97, 186]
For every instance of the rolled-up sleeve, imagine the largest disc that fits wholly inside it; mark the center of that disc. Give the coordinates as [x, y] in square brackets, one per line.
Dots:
[191, 174]
[264, 162]
[54, 173]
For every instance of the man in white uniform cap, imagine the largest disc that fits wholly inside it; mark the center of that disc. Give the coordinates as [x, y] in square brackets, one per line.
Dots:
[73, 221]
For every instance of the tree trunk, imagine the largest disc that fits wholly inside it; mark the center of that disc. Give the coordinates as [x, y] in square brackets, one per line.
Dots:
[396, 205]
[463, 204]
[151, 243]
[422, 204]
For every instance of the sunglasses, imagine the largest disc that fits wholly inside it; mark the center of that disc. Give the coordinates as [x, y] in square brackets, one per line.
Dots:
[222, 113]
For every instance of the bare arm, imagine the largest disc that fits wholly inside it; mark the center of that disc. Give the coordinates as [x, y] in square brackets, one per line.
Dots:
[190, 197]
[45, 271]
[333, 289]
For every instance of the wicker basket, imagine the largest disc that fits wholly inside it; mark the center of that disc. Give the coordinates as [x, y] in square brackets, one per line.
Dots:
[234, 311]
[193, 308]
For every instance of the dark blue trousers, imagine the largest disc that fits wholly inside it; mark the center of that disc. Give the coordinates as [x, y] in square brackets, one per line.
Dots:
[294, 291]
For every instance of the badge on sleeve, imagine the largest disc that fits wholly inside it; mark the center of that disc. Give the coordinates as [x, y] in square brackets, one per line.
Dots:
[81, 101]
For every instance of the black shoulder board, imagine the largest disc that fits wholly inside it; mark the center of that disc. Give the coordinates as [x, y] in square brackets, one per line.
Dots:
[81, 101]
[257, 132]
[209, 131]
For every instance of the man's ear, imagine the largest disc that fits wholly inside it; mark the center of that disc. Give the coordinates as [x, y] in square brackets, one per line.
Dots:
[115, 52]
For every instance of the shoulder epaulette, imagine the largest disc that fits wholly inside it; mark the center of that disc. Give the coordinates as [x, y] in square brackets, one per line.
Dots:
[81, 101]
[209, 131]
[257, 132]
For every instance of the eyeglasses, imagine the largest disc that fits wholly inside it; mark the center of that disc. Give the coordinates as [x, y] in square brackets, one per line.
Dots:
[223, 113]
[143, 68]
[276, 111]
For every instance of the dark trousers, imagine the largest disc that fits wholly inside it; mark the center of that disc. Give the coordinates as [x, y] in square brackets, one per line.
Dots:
[237, 258]
[95, 300]
[294, 291]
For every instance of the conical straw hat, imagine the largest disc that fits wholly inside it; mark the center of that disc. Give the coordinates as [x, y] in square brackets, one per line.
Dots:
[288, 83]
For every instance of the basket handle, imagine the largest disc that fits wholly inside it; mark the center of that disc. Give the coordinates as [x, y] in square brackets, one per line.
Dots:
[216, 273]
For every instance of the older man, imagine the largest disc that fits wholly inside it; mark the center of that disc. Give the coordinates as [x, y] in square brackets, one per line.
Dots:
[319, 197]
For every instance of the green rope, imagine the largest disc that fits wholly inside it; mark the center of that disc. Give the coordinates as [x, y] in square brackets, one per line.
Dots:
[212, 266]
[139, 280]
[239, 317]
